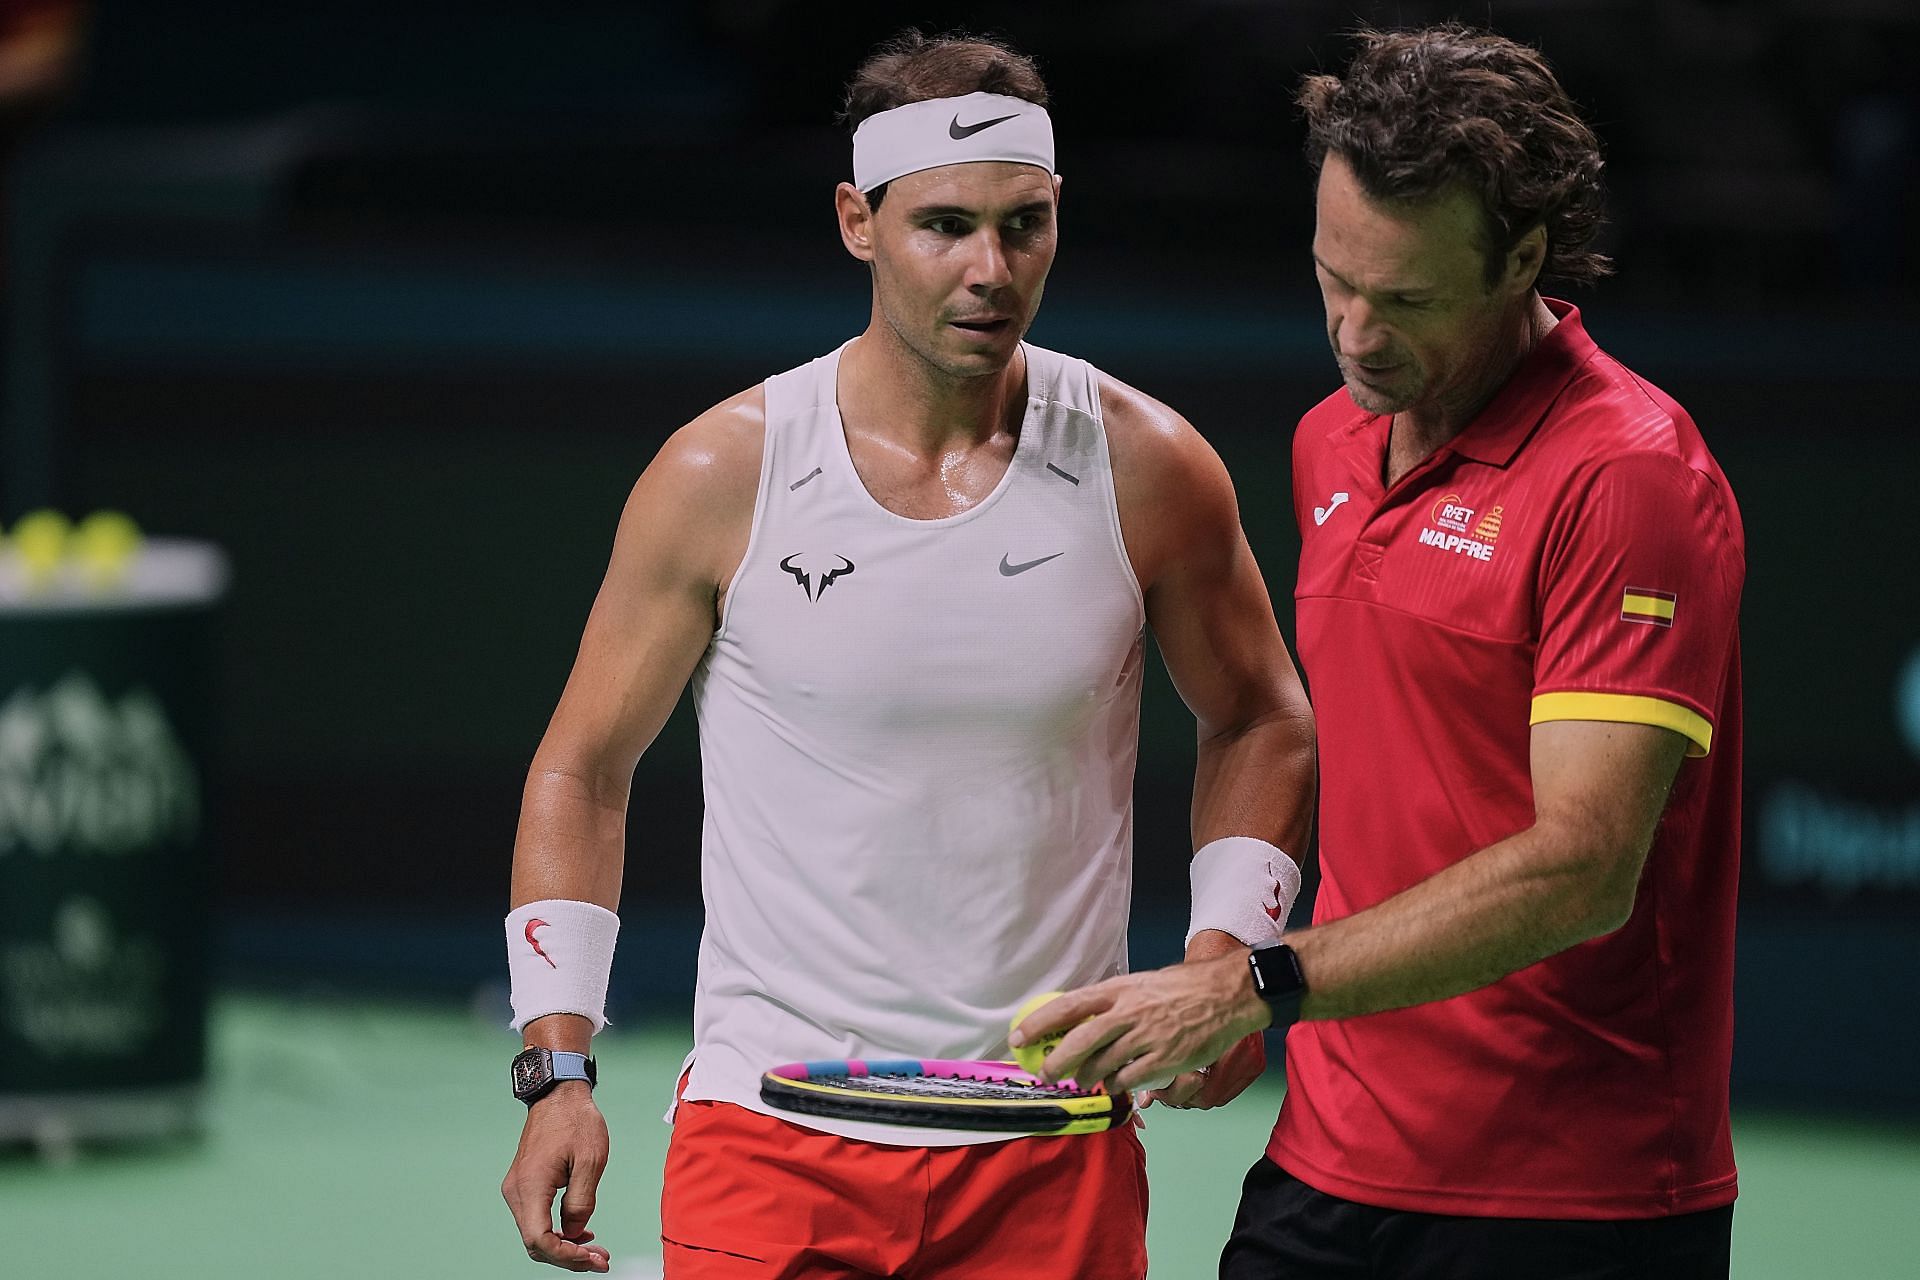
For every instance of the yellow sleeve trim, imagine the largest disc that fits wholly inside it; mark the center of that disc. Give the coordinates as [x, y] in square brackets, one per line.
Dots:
[1625, 708]
[1652, 605]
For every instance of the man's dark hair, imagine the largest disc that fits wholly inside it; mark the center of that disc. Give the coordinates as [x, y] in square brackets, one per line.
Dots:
[1420, 111]
[913, 67]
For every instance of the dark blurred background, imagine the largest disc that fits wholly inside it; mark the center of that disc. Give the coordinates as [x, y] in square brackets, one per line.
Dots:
[393, 301]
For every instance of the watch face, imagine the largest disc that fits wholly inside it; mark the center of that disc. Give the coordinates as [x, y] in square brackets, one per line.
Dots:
[532, 1070]
[1276, 974]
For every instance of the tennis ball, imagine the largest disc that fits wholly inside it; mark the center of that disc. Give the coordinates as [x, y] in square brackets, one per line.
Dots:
[105, 544]
[40, 540]
[1029, 1056]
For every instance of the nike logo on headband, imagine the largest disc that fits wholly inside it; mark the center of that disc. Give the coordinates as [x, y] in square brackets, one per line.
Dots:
[958, 131]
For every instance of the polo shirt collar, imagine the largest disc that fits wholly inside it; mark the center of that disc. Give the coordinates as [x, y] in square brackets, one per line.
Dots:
[1497, 431]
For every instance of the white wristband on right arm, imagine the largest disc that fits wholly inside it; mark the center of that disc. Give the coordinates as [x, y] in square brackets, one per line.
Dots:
[1243, 886]
[559, 957]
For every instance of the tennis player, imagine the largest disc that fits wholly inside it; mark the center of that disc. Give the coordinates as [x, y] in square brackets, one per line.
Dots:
[1519, 577]
[909, 583]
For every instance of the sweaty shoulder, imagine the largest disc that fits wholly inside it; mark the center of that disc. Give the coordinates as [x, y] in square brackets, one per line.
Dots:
[697, 495]
[720, 449]
[1170, 484]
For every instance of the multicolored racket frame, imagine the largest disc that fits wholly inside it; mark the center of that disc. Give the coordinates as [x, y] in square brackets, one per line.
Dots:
[942, 1093]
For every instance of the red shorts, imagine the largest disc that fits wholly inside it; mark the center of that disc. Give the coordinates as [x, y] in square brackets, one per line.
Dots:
[747, 1195]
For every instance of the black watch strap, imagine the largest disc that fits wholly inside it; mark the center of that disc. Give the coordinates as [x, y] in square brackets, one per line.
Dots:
[1278, 980]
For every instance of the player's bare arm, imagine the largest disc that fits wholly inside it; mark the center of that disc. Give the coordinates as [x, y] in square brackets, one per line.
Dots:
[1599, 790]
[681, 536]
[1214, 623]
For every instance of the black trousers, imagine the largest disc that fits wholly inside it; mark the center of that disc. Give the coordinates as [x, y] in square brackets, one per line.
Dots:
[1286, 1230]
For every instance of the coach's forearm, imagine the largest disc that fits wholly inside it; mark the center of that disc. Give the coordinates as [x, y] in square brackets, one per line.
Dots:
[1511, 904]
[1257, 779]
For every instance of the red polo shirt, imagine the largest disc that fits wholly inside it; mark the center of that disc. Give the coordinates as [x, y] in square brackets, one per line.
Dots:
[1574, 554]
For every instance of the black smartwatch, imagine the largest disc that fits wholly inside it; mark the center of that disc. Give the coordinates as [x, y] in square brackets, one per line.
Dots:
[1278, 980]
[536, 1069]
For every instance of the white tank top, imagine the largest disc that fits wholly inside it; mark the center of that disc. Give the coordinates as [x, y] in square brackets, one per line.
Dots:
[917, 739]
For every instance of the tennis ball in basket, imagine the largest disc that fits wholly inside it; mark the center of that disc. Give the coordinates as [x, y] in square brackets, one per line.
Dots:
[40, 540]
[1029, 1056]
[105, 544]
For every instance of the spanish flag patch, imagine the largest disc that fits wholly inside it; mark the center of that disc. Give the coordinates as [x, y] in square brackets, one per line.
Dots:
[1642, 604]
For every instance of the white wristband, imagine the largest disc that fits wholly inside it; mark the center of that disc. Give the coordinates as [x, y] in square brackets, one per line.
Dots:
[1243, 886]
[559, 956]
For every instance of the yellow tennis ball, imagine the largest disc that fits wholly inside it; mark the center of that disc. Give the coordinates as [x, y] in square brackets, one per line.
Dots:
[1030, 1055]
[40, 540]
[105, 544]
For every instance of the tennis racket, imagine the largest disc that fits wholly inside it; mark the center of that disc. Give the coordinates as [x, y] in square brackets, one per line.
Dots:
[940, 1093]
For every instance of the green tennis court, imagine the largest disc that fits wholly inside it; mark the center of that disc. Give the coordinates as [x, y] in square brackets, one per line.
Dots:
[355, 1139]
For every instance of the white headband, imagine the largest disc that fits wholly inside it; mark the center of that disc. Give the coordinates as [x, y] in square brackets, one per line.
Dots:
[926, 135]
